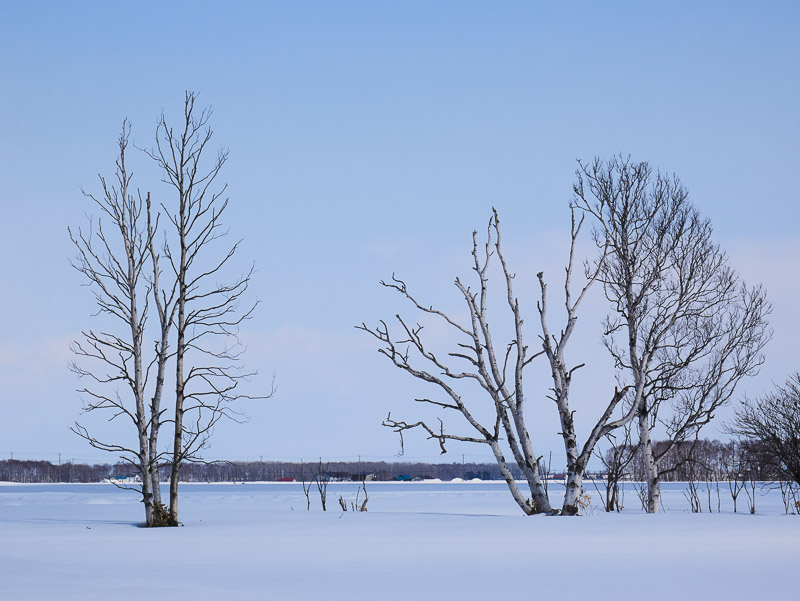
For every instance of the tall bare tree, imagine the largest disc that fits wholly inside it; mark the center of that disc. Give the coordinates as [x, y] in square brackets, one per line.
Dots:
[113, 261]
[198, 318]
[206, 315]
[683, 330]
[496, 370]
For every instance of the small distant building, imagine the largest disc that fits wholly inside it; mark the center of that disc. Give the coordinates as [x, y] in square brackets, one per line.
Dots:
[124, 479]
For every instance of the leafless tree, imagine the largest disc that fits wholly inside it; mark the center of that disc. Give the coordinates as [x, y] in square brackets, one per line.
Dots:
[750, 491]
[616, 460]
[356, 505]
[497, 371]
[113, 257]
[206, 314]
[683, 330]
[641, 492]
[789, 493]
[770, 427]
[306, 485]
[694, 470]
[321, 478]
[735, 467]
[692, 496]
[362, 507]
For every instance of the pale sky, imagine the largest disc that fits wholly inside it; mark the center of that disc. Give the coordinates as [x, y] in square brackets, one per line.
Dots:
[369, 138]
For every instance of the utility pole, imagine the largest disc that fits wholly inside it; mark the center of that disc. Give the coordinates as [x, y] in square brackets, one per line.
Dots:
[59, 468]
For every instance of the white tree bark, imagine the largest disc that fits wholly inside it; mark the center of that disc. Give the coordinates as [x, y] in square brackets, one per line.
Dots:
[650, 465]
[500, 375]
[113, 261]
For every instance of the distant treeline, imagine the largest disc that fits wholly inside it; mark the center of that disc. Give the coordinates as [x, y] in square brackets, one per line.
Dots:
[25, 471]
[337, 470]
[16, 470]
[690, 460]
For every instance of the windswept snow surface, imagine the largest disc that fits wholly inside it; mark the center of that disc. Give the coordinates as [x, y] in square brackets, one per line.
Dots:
[423, 540]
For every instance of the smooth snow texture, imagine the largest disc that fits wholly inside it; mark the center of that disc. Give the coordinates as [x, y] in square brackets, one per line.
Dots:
[418, 541]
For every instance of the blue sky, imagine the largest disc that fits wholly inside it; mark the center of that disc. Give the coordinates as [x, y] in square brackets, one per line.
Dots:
[367, 138]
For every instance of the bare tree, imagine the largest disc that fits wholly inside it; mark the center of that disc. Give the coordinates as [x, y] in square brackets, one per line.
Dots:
[770, 427]
[322, 479]
[616, 460]
[734, 463]
[113, 261]
[750, 491]
[694, 468]
[306, 485]
[683, 330]
[496, 370]
[789, 491]
[362, 507]
[205, 313]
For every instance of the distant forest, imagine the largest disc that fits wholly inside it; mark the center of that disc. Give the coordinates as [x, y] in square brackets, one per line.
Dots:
[693, 460]
[16, 470]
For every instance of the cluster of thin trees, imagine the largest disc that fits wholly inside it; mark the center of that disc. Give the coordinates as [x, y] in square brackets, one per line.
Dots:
[735, 465]
[165, 353]
[681, 328]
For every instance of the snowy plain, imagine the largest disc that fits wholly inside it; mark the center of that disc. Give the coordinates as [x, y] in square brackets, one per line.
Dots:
[443, 541]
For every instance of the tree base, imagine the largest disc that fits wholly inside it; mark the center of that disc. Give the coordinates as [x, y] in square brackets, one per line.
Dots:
[162, 518]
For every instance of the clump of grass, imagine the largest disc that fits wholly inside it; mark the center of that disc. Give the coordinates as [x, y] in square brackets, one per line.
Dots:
[162, 518]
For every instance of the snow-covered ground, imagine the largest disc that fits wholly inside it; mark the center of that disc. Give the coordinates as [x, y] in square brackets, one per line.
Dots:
[418, 541]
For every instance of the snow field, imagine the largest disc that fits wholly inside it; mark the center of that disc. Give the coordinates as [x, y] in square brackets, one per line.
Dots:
[418, 541]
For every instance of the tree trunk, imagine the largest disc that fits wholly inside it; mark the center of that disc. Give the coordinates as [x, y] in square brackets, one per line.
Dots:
[540, 499]
[528, 507]
[180, 349]
[177, 448]
[650, 465]
[155, 413]
[180, 383]
[147, 491]
[573, 493]
[574, 468]
[155, 485]
[574, 477]
[129, 229]
[175, 474]
[526, 461]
